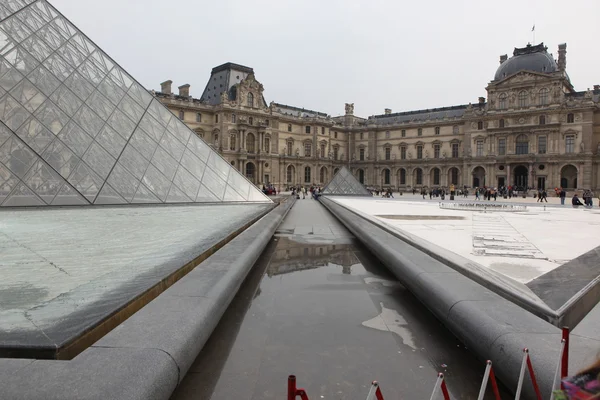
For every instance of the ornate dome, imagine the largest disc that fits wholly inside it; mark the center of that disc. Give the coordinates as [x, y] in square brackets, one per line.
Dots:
[530, 58]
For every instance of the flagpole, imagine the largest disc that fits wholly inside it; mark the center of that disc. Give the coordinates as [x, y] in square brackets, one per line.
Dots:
[533, 32]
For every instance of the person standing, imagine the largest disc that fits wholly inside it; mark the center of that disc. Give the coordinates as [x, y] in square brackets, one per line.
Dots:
[562, 194]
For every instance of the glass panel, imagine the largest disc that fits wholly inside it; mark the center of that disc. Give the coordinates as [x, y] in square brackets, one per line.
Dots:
[218, 165]
[79, 85]
[66, 100]
[129, 107]
[60, 158]
[100, 60]
[44, 80]
[144, 195]
[120, 78]
[111, 90]
[10, 76]
[28, 95]
[193, 164]
[165, 163]
[91, 72]
[108, 195]
[82, 44]
[179, 130]
[51, 116]
[232, 195]
[51, 36]
[59, 67]
[74, 137]
[169, 143]
[13, 5]
[4, 12]
[120, 123]
[111, 141]
[47, 13]
[205, 195]
[241, 185]
[30, 18]
[44, 181]
[186, 182]
[100, 105]
[8, 181]
[157, 183]
[35, 134]
[177, 196]
[152, 127]
[22, 196]
[99, 160]
[5, 40]
[16, 156]
[71, 54]
[11, 112]
[15, 29]
[21, 60]
[213, 182]
[158, 111]
[88, 120]
[67, 196]
[86, 181]
[63, 27]
[5, 133]
[134, 162]
[37, 48]
[142, 143]
[140, 95]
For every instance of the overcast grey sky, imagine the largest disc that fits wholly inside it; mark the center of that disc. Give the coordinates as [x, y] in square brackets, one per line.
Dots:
[320, 54]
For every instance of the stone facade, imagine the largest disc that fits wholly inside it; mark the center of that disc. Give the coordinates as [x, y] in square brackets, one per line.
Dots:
[535, 130]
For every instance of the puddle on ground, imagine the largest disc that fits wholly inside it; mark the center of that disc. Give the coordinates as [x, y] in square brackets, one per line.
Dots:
[390, 321]
[421, 217]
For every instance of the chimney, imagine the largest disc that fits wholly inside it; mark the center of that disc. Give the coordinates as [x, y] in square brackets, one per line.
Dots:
[481, 100]
[388, 111]
[562, 57]
[165, 87]
[503, 58]
[596, 87]
[184, 90]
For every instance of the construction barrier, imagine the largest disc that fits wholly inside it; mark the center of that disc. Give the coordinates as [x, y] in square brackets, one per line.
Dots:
[562, 371]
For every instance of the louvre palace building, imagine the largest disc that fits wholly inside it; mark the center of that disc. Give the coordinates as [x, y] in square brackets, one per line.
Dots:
[533, 130]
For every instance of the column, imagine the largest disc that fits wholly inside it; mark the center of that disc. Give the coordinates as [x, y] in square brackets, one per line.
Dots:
[580, 177]
[530, 182]
[239, 141]
[509, 181]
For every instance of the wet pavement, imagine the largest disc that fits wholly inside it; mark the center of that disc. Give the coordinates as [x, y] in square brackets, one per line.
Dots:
[318, 305]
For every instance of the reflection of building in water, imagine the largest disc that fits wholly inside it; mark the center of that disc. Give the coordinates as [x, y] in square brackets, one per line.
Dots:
[292, 256]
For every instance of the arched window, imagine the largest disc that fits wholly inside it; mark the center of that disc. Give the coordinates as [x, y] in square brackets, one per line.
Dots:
[402, 176]
[216, 140]
[543, 96]
[250, 143]
[542, 120]
[386, 176]
[436, 176]
[501, 123]
[522, 98]
[522, 145]
[570, 118]
[250, 100]
[307, 175]
[232, 142]
[323, 175]
[290, 174]
[454, 176]
[419, 176]
[502, 101]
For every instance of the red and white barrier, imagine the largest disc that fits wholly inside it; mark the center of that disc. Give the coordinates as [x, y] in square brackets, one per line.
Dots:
[489, 375]
[375, 392]
[440, 385]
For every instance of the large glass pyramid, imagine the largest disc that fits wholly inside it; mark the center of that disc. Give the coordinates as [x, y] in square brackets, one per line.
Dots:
[76, 129]
[345, 184]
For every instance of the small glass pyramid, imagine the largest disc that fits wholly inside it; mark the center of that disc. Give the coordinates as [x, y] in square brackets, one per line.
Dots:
[345, 184]
[76, 129]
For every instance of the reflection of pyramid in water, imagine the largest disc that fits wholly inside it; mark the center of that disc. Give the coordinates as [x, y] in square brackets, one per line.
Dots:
[345, 184]
[76, 129]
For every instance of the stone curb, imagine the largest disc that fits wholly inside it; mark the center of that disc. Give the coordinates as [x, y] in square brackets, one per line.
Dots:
[490, 326]
[148, 355]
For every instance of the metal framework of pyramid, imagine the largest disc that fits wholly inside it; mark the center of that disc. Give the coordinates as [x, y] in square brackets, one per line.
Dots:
[76, 129]
[345, 184]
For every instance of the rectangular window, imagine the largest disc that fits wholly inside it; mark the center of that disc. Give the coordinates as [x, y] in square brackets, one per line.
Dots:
[361, 136]
[267, 145]
[436, 151]
[307, 149]
[570, 144]
[322, 151]
[542, 140]
[455, 130]
[267, 122]
[403, 153]
[387, 134]
[388, 153]
[501, 147]
[420, 132]
[480, 125]
[361, 154]
[181, 115]
[307, 174]
[403, 133]
[335, 135]
[307, 129]
[289, 148]
[419, 152]
[570, 118]
[217, 118]
[403, 176]
[198, 117]
[454, 150]
[437, 130]
[480, 148]
[289, 127]
[335, 153]
[322, 130]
